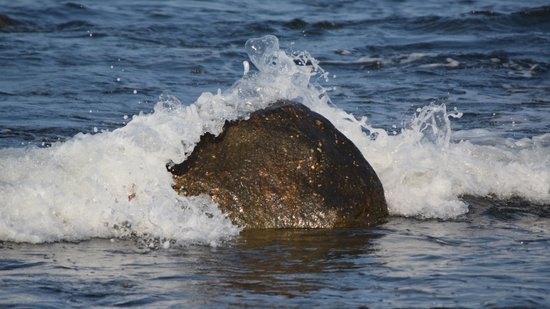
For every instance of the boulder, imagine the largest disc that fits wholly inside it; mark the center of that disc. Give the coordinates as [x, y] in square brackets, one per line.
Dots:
[284, 167]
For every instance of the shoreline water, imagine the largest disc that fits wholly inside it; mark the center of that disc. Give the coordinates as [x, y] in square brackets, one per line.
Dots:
[404, 262]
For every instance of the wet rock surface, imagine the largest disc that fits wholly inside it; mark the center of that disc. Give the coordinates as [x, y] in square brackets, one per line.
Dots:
[284, 167]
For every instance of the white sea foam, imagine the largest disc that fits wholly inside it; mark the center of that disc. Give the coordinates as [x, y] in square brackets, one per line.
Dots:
[115, 184]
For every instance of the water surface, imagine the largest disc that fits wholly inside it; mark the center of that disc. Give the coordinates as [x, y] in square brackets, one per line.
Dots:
[447, 101]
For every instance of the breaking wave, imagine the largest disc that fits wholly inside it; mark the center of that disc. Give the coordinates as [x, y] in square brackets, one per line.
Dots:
[114, 184]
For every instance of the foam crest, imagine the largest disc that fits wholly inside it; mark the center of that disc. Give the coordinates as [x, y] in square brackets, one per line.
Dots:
[104, 185]
[424, 174]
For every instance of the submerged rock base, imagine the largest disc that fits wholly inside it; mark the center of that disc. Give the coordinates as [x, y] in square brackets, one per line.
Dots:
[284, 167]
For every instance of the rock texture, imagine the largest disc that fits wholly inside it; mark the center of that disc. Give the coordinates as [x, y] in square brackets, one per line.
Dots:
[284, 167]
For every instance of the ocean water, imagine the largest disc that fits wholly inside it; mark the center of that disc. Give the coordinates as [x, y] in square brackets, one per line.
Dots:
[449, 102]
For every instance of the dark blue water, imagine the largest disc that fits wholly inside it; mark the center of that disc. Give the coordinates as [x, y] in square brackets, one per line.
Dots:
[57, 58]
[89, 66]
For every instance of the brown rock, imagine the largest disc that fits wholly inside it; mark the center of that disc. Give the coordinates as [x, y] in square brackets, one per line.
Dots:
[284, 167]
